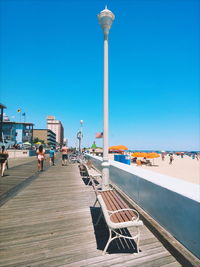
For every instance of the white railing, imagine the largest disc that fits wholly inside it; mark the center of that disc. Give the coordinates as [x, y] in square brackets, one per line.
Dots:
[172, 202]
[16, 153]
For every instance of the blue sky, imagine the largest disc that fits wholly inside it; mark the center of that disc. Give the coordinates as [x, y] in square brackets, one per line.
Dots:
[52, 64]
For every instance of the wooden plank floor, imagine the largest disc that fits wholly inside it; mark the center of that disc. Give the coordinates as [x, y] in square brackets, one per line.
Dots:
[16, 174]
[51, 223]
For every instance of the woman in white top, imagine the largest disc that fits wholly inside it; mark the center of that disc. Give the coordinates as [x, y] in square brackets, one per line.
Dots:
[41, 157]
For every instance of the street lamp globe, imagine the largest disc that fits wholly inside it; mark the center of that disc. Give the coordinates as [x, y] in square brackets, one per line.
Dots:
[81, 122]
[106, 18]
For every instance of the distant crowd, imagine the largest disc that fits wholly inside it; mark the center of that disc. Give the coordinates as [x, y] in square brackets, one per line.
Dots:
[41, 156]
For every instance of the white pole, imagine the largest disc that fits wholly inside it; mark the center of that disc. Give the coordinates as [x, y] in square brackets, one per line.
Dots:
[105, 163]
[105, 139]
[81, 135]
[105, 18]
[81, 139]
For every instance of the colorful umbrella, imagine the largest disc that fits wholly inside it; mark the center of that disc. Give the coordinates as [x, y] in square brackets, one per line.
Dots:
[119, 147]
[152, 155]
[27, 143]
[112, 147]
[139, 155]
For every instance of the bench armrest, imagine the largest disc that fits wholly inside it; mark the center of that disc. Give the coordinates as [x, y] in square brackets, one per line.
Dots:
[96, 175]
[117, 211]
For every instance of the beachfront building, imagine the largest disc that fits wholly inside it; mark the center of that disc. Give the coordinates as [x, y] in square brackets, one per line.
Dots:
[48, 136]
[17, 132]
[56, 127]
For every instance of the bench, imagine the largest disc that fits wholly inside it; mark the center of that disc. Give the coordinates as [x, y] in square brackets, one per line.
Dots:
[94, 175]
[95, 179]
[118, 216]
[91, 172]
[82, 166]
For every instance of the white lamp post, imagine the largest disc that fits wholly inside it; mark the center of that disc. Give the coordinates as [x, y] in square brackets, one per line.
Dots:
[105, 18]
[81, 135]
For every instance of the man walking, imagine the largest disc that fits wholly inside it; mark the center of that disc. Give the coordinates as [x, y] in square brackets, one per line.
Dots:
[64, 151]
[51, 156]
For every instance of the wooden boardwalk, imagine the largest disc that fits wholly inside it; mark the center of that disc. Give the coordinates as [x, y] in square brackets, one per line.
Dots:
[21, 172]
[50, 222]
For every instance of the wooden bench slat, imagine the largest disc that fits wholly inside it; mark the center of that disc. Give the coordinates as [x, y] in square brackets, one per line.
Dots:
[127, 215]
[130, 214]
[108, 205]
[114, 202]
[113, 205]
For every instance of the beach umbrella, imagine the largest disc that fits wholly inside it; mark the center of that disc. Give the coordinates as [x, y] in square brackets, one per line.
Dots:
[27, 143]
[134, 155]
[38, 143]
[153, 155]
[143, 154]
[139, 155]
[119, 147]
[115, 151]
[112, 148]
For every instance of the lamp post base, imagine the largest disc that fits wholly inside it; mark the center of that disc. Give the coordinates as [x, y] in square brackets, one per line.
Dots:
[105, 174]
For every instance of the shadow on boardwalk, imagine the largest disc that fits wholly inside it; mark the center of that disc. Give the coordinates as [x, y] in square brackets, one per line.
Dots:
[18, 176]
[102, 234]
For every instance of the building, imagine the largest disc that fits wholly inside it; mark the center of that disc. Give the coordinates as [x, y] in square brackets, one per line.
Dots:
[56, 126]
[17, 132]
[48, 136]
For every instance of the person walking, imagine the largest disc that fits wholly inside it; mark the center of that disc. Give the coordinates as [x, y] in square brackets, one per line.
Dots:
[52, 156]
[64, 151]
[171, 159]
[3, 159]
[40, 157]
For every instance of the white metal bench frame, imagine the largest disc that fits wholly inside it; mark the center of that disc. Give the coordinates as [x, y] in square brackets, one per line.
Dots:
[112, 226]
[93, 173]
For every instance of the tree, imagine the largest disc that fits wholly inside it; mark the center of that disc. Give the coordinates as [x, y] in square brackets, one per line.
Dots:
[35, 140]
[94, 145]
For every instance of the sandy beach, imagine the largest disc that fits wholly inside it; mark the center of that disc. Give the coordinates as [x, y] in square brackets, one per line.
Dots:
[185, 168]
